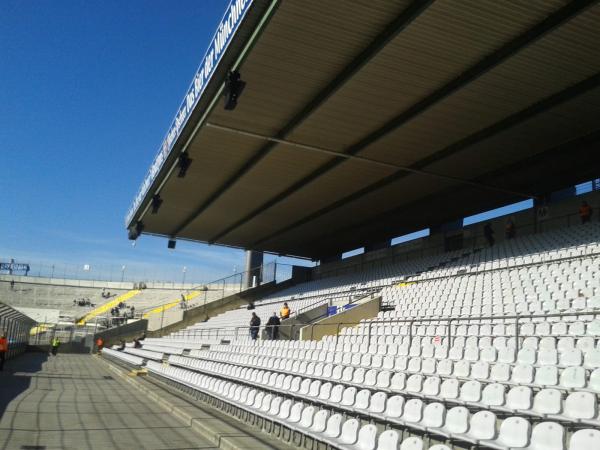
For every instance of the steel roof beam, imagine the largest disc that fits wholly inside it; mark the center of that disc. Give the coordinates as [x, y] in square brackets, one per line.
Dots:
[479, 136]
[580, 143]
[392, 30]
[488, 62]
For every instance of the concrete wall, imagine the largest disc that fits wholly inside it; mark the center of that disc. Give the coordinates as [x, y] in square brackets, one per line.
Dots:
[126, 285]
[165, 318]
[330, 326]
[290, 328]
[127, 332]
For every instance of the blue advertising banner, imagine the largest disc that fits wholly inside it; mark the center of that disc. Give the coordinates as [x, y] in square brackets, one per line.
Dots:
[234, 14]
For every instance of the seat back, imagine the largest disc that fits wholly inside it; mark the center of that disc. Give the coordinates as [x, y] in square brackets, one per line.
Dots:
[349, 434]
[388, 440]
[514, 432]
[367, 437]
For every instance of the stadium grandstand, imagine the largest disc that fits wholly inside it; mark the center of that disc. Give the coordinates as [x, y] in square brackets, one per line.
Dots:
[333, 132]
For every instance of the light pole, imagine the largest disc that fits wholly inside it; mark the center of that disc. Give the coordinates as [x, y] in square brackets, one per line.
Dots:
[184, 271]
[122, 273]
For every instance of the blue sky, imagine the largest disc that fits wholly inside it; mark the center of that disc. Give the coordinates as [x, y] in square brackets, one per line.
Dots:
[87, 92]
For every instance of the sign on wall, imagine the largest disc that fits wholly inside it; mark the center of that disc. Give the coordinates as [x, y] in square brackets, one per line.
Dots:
[227, 28]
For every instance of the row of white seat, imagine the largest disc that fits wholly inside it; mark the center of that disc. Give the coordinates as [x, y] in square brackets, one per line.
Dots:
[432, 355]
[122, 356]
[547, 402]
[456, 424]
[146, 354]
[565, 326]
[427, 345]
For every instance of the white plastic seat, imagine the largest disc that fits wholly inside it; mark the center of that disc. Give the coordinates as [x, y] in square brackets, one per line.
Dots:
[573, 377]
[388, 440]
[320, 421]
[580, 405]
[431, 386]
[547, 401]
[571, 358]
[394, 407]
[349, 433]
[500, 372]
[413, 411]
[547, 436]
[470, 391]
[295, 413]
[412, 443]
[594, 382]
[367, 438]
[449, 389]
[519, 398]
[547, 357]
[457, 421]
[284, 409]
[398, 381]
[434, 415]
[334, 426]
[546, 376]
[526, 356]
[336, 393]
[307, 417]
[493, 394]
[383, 379]
[522, 374]
[514, 433]
[592, 358]
[483, 426]
[378, 402]
[584, 439]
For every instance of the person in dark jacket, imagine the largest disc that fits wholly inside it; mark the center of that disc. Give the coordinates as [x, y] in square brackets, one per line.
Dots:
[273, 327]
[254, 326]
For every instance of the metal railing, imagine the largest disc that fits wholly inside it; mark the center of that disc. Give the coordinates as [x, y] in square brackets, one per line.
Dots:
[226, 286]
[369, 326]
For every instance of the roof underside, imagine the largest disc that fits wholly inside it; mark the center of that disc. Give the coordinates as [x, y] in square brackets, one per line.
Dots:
[436, 109]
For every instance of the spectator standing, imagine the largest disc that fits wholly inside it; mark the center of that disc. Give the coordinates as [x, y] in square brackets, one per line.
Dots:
[273, 327]
[585, 212]
[488, 233]
[55, 343]
[510, 229]
[3, 350]
[254, 326]
[285, 312]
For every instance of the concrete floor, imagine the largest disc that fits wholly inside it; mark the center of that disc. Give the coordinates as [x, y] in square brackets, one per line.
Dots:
[75, 402]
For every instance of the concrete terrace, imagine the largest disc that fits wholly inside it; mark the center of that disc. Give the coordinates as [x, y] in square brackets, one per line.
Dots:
[82, 402]
[74, 401]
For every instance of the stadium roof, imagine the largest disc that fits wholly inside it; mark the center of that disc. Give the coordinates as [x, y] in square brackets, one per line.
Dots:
[365, 120]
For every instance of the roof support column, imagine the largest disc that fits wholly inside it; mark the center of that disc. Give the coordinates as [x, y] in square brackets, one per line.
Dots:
[253, 271]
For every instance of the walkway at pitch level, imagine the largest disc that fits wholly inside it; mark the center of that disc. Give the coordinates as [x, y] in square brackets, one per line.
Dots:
[76, 402]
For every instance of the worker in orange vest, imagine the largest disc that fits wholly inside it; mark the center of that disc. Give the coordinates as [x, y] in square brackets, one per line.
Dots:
[285, 311]
[99, 344]
[3, 350]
